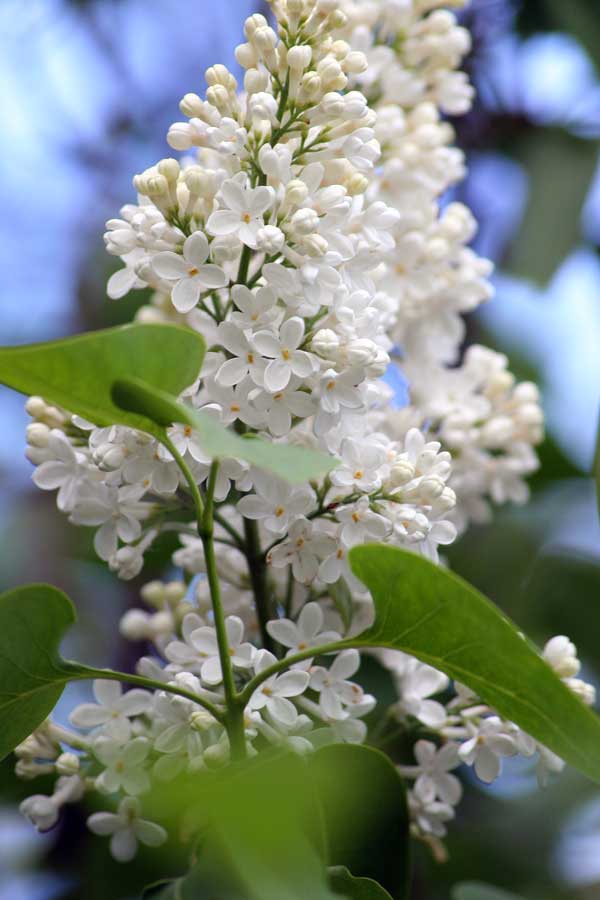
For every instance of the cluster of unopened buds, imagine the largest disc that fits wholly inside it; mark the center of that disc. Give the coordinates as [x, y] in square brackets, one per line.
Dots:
[300, 233]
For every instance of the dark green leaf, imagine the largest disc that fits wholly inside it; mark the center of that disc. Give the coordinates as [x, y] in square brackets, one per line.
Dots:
[294, 464]
[77, 373]
[33, 620]
[344, 883]
[427, 611]
[363, 802]
[476, 890]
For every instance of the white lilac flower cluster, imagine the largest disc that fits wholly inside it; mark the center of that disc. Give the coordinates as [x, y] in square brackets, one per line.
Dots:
[301, 234]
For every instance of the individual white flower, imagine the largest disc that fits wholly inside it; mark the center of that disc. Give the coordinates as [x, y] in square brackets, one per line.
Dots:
[204, 640]
[335, 691]
[43, 811]
[286, 358]
[303, 548]
[274, 692]
[243, 212]
[255, 308]
[279, 408]
[64, 469]
[303, 634]
[116, 510]
[361, 465]
[190, 272]
[429, 815]
[126, 829]
[246, 360]
[338, 391]
[432, 772]
[416, 683]
[360, 523]
[113, 709]
[123, 765]
[489, 743]
[276, 503]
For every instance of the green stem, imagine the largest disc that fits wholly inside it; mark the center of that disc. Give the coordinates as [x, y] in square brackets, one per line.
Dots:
[258, 578]
[234, 718]
[245, 258]
[286, 663]
[82, 673]
[185, 470]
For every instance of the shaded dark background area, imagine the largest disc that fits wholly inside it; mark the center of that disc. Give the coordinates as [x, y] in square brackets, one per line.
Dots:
[87, 91]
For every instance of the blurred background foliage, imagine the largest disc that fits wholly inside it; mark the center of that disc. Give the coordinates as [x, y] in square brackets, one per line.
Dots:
[87, 91]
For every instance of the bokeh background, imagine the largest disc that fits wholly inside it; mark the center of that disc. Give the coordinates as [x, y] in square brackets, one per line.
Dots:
[87, 91]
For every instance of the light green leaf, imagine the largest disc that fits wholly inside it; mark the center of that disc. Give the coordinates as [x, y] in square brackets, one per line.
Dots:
[476, 890]
[78, 372]
[344, 883]
[294, 464]
[33, 620]
[257, 820]
[429, 612]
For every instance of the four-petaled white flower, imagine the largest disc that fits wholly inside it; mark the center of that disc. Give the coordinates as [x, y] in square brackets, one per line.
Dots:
[243, 212]
[276, 503]
[416, 683]
[361, 465]
[360, 523]
[274, 692]
[126, 829]
[113, 709]
[303, 634]
[64, 470]
[304, 547]
[190, 272]
[123, 765]
[335, 691]
[432, 772]
[490, 741]
[286, 358]
[204, 640]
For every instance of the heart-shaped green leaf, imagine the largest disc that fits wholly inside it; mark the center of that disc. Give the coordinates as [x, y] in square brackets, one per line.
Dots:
[429, 612]
[344, 883]
[294, 464]
[33, 621]
[78, 372]
[476, 890]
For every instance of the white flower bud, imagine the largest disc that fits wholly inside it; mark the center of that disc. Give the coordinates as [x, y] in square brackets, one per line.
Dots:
[355, 63]
[220, 74]
[191, 106]
[263, 105]
[135, 625]
[68, 764]
[201, 721]
[304, 221]
[169, 168]
[264, 39]
[561, 655]
[224, 249]
[174, 591]
[179, 137]
[325, 343]
[246, 56]
[41, 811]
[296, 192]
[218, 96]
[269, 239]
[37, 434]
[585, 691]
[401, 473]
[361, 352]
[160, 623]
[298, 58]
[356, 184]
[311, 84]
[153, 593]
[315, 245]
[253, 23]
[378, 366]
[256, 81]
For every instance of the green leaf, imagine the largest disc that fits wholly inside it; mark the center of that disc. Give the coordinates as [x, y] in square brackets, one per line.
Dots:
[294, 464]
[364, 811]
[476, 890]
[429, 612]
[33, 620]
[257, 821]
[551, 227]
[344, 883]
[77, 373]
